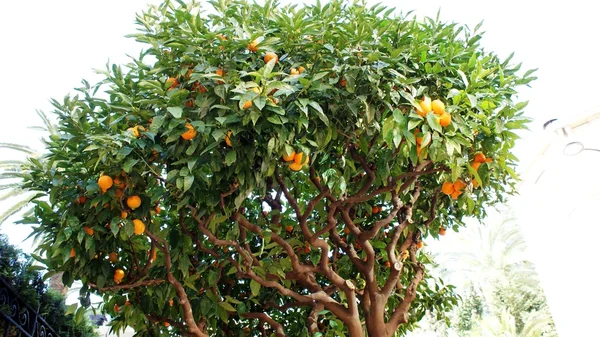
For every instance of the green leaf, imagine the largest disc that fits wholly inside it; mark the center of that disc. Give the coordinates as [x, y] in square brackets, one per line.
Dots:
[230, 158]
[432, 122]
[188, 181]
[319, 111]
[157, 122]
[255, 288]
[227, 306]
[175, 111]
[129, 164]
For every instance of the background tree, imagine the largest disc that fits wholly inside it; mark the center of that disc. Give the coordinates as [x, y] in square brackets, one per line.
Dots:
[18, 269]
[268, 170]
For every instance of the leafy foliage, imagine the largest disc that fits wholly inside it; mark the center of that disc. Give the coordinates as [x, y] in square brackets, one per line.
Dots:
[18, 269]
[239, 239]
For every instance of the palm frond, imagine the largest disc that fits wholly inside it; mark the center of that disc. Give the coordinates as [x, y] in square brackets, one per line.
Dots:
[11, 175]
[19, 147]
[11, 194]
[10, 163]
[48, 125]
[9, 186]
[536, 323]
[16, 207]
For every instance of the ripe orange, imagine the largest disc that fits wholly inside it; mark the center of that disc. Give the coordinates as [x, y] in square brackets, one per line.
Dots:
[119, 193]
[346, 230]
[221, 73]
[301, 69]
[134, 202]
[343, 82]
[475, 165]
[388, 264]
[134, 130]
[375, 209]
[113, 257]
[88, 230]
[289, 158]
[475, 183]
[418, 150]
[221, 37]
[72, 252]
[269, 56]
[153, 255]
[456, 194]
[480, 158]
[190, 133]
[116, 307]
[404, 255]
[459, 185]
[228, 139]
[170, 302]
[419, 140]
[118, 183]
[425, 105]
[294, 71]
[295, 167]
[289, 228]
[307, 249]
[118, 276]
[166, 324]
[157, 209]
[442, 231]
[172, 82]
[419, 244]
[138, 227]
[189, 103]
[253, 46]
[448, 188]
[301, 158]
[438, 107]
[247, 105]
[124, 215]
[105, 182]
[445, 119]
[80, 200]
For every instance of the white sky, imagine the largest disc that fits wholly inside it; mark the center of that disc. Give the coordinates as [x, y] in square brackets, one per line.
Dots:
[49, 46]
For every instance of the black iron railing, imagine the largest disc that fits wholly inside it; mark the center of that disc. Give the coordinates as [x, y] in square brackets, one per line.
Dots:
[20, 319]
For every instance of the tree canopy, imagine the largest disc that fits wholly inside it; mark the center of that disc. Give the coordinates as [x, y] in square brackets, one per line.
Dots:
[269, 170]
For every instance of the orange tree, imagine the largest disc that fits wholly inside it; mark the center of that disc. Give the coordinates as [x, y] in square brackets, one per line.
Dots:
[266, 170]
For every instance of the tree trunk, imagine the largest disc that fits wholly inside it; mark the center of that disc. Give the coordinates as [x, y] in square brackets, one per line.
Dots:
[374, 319]
[355, 329]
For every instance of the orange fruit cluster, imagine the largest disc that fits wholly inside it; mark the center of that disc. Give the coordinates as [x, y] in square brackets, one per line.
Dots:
[479, 159]
[437, 107]
[296, 160]
[454, 189]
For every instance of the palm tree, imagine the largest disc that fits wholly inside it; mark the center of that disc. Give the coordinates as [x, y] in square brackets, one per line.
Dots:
[12, 171]
[536, 324]
[491, 258]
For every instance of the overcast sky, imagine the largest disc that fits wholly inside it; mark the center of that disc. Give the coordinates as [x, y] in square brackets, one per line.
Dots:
[49, 46]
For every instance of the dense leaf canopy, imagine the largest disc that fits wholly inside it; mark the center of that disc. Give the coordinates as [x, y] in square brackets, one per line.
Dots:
[236, 236]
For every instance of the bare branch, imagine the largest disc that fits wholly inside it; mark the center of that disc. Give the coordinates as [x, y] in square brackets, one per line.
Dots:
[396, 205]
[267, 319]
[143, 283]
[188, 314]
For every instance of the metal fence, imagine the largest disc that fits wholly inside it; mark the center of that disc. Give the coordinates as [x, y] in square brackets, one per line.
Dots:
[20, 319]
